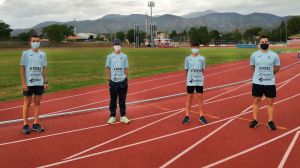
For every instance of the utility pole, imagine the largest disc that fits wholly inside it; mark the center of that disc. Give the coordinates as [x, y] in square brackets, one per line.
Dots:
[136, 36]
[286, 33]
[151, 5]
[147, 23]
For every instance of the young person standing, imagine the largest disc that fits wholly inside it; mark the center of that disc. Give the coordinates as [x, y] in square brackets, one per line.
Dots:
[117, 72]
[194, 68]
[34, 82]
[265, 64]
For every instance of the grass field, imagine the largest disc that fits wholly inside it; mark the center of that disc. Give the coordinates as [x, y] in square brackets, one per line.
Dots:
[70, 68]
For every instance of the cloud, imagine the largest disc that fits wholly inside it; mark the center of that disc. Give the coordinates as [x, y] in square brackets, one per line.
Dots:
[27, 13]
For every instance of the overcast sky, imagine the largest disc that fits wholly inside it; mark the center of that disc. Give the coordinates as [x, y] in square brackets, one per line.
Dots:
[27, 13]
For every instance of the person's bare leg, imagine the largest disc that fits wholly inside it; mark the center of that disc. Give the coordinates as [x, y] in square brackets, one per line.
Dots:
[26, 106]
[270, 108]
[37, 101]
[256, 106]
[189, 101]
[200, 104]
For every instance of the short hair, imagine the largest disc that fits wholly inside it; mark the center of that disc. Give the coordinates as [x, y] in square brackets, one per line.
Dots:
[264, 36]
[34, 35]
[195, 44]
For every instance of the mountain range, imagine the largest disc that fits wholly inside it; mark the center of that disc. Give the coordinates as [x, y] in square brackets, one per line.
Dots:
[222, 22]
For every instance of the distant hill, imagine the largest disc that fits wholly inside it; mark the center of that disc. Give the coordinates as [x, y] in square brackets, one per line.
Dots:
[214, 20]
[198, 14]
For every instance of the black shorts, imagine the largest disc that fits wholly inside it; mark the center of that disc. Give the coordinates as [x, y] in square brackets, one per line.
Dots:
[36, 90]
[267, 90]
[191, 89]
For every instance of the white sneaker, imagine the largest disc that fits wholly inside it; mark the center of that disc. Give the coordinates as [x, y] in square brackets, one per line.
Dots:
[111, 120]
[125, 120]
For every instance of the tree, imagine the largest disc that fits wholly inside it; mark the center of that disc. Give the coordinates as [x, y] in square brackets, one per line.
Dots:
[184, 36]
[193, 34]
[293, 25]
[252, 33]
[57, 33]
[143, 35]
[214, 36]
[121, 36]
[278, 34]
[174, 35]
[25, 36]
[199, 34]
[4, 31]
[130, 35]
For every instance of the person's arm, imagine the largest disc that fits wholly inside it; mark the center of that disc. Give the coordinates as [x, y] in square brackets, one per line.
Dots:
[24, 85]
[126, 66]
[276, 69]
[252, 68]
[186, 67]
[252, 62]
[107, 66]
[45, 78]
[203, 65]
[126, 71]
[108, 73]
[276, 64]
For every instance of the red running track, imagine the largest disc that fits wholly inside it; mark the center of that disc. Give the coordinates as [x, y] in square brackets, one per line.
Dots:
[156, 136]
[139, 89]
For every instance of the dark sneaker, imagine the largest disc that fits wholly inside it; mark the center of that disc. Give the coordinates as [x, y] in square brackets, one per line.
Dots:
[271, 125]
[26, 129]
[253, 124]
[203, 120]
[37, 128]
[186, 120]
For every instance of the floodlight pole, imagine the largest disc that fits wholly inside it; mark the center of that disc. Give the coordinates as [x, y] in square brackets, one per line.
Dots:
[151, 4]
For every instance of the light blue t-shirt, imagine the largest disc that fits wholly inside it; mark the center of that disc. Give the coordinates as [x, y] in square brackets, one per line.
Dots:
[34, 63]
[117, 65]
[264, 65]
[195, 67]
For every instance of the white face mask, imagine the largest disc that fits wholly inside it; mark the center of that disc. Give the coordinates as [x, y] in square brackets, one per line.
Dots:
[117, 47]
[35, 45]
[195, 50]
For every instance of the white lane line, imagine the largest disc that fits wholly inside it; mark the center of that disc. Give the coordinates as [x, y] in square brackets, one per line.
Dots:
[56, 114]
[200, 141]
[179, 82]
[106, 100]
[130, 84]
[83, 129]
[146, 90]
[214, 132]
[76, 95]
[121, 136]
[92, 127]
[157, 138]
[94, 147]
[288, 151]
[252, 148]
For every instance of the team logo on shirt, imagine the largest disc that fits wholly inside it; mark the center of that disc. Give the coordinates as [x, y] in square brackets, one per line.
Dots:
[196, 70]
[35, 68]
[191, 80]
[264, 68]
[34, 80]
